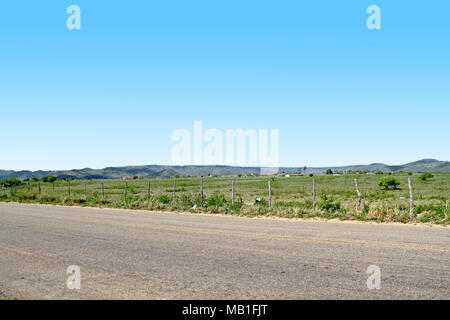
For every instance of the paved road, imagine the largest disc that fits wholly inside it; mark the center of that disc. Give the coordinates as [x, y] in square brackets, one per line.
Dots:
[128, 254]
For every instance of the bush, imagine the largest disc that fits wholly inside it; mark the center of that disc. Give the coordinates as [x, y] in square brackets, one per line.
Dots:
[329, 204]
[10, 182]
[216, 200]
[164, 198]
[238, 203]
[329, 171]
[49, 179]
[388, 182]
[425, 176]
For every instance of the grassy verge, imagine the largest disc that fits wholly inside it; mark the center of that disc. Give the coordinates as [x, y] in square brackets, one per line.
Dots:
[291, 196]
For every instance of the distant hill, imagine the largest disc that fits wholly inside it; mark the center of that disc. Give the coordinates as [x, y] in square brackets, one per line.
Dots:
[426, 165]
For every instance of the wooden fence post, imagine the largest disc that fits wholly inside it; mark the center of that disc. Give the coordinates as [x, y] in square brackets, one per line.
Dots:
[411, 200]
[148, 193]
[125, 191]
[270, 195]
[85, 191]
[174, 187]
[232, 192]
[201, 190]
[314, 194]
[103, 192]
[39, 187]
[358, 206]
[53, 189]
[69, 189]
[28, 186]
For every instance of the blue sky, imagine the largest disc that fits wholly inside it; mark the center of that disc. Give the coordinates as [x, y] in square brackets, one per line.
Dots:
[112, 93]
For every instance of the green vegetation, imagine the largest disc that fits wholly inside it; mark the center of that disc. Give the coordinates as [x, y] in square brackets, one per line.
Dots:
[329, 204]
[10, 182]
[388, 182]
[49, 179]
[291, 196]
[425, 176]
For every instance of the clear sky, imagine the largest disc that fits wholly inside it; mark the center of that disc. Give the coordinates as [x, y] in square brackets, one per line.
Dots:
[112, 93]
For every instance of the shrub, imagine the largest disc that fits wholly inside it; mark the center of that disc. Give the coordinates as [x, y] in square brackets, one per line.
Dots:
[10, 182]
[388, 182]
[216, 200]
[187, 201]
[238, 203]
[49, 179]
[164, 198]
[329, 204]
[425, 176]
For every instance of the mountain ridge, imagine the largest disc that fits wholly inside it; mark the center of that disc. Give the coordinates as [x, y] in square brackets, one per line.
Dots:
[167, 171]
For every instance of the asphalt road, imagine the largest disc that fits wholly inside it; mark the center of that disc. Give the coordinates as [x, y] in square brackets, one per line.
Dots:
[125, 254]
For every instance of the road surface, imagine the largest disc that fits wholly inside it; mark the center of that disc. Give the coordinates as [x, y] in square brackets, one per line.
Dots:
[125, 254]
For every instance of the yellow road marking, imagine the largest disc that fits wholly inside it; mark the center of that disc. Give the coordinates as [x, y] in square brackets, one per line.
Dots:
[241, 235]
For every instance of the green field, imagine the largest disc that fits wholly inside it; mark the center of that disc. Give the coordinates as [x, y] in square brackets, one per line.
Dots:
[292, 197]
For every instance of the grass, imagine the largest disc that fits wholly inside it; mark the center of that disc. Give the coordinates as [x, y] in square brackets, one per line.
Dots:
[291, 196]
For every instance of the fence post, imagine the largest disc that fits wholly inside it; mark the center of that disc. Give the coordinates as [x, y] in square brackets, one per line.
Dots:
[125, 191]
[174, 187]
[85, 191]
[232, 192]
[39, 186]
[270, 195]
[411, 200]
[69, 189]
[314, 194]
[28, 187]
[358, 206]
[148, 193]
[53, 189]
[201, 190]
[103, 192]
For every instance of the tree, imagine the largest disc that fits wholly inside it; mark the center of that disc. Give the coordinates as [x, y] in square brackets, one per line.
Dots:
[425, 176]
[388, 182]
[329, 171]
[10, 182]
[49, 179]
[304, 170]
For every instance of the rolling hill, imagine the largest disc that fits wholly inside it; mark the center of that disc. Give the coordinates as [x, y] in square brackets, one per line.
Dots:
[425, 165]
